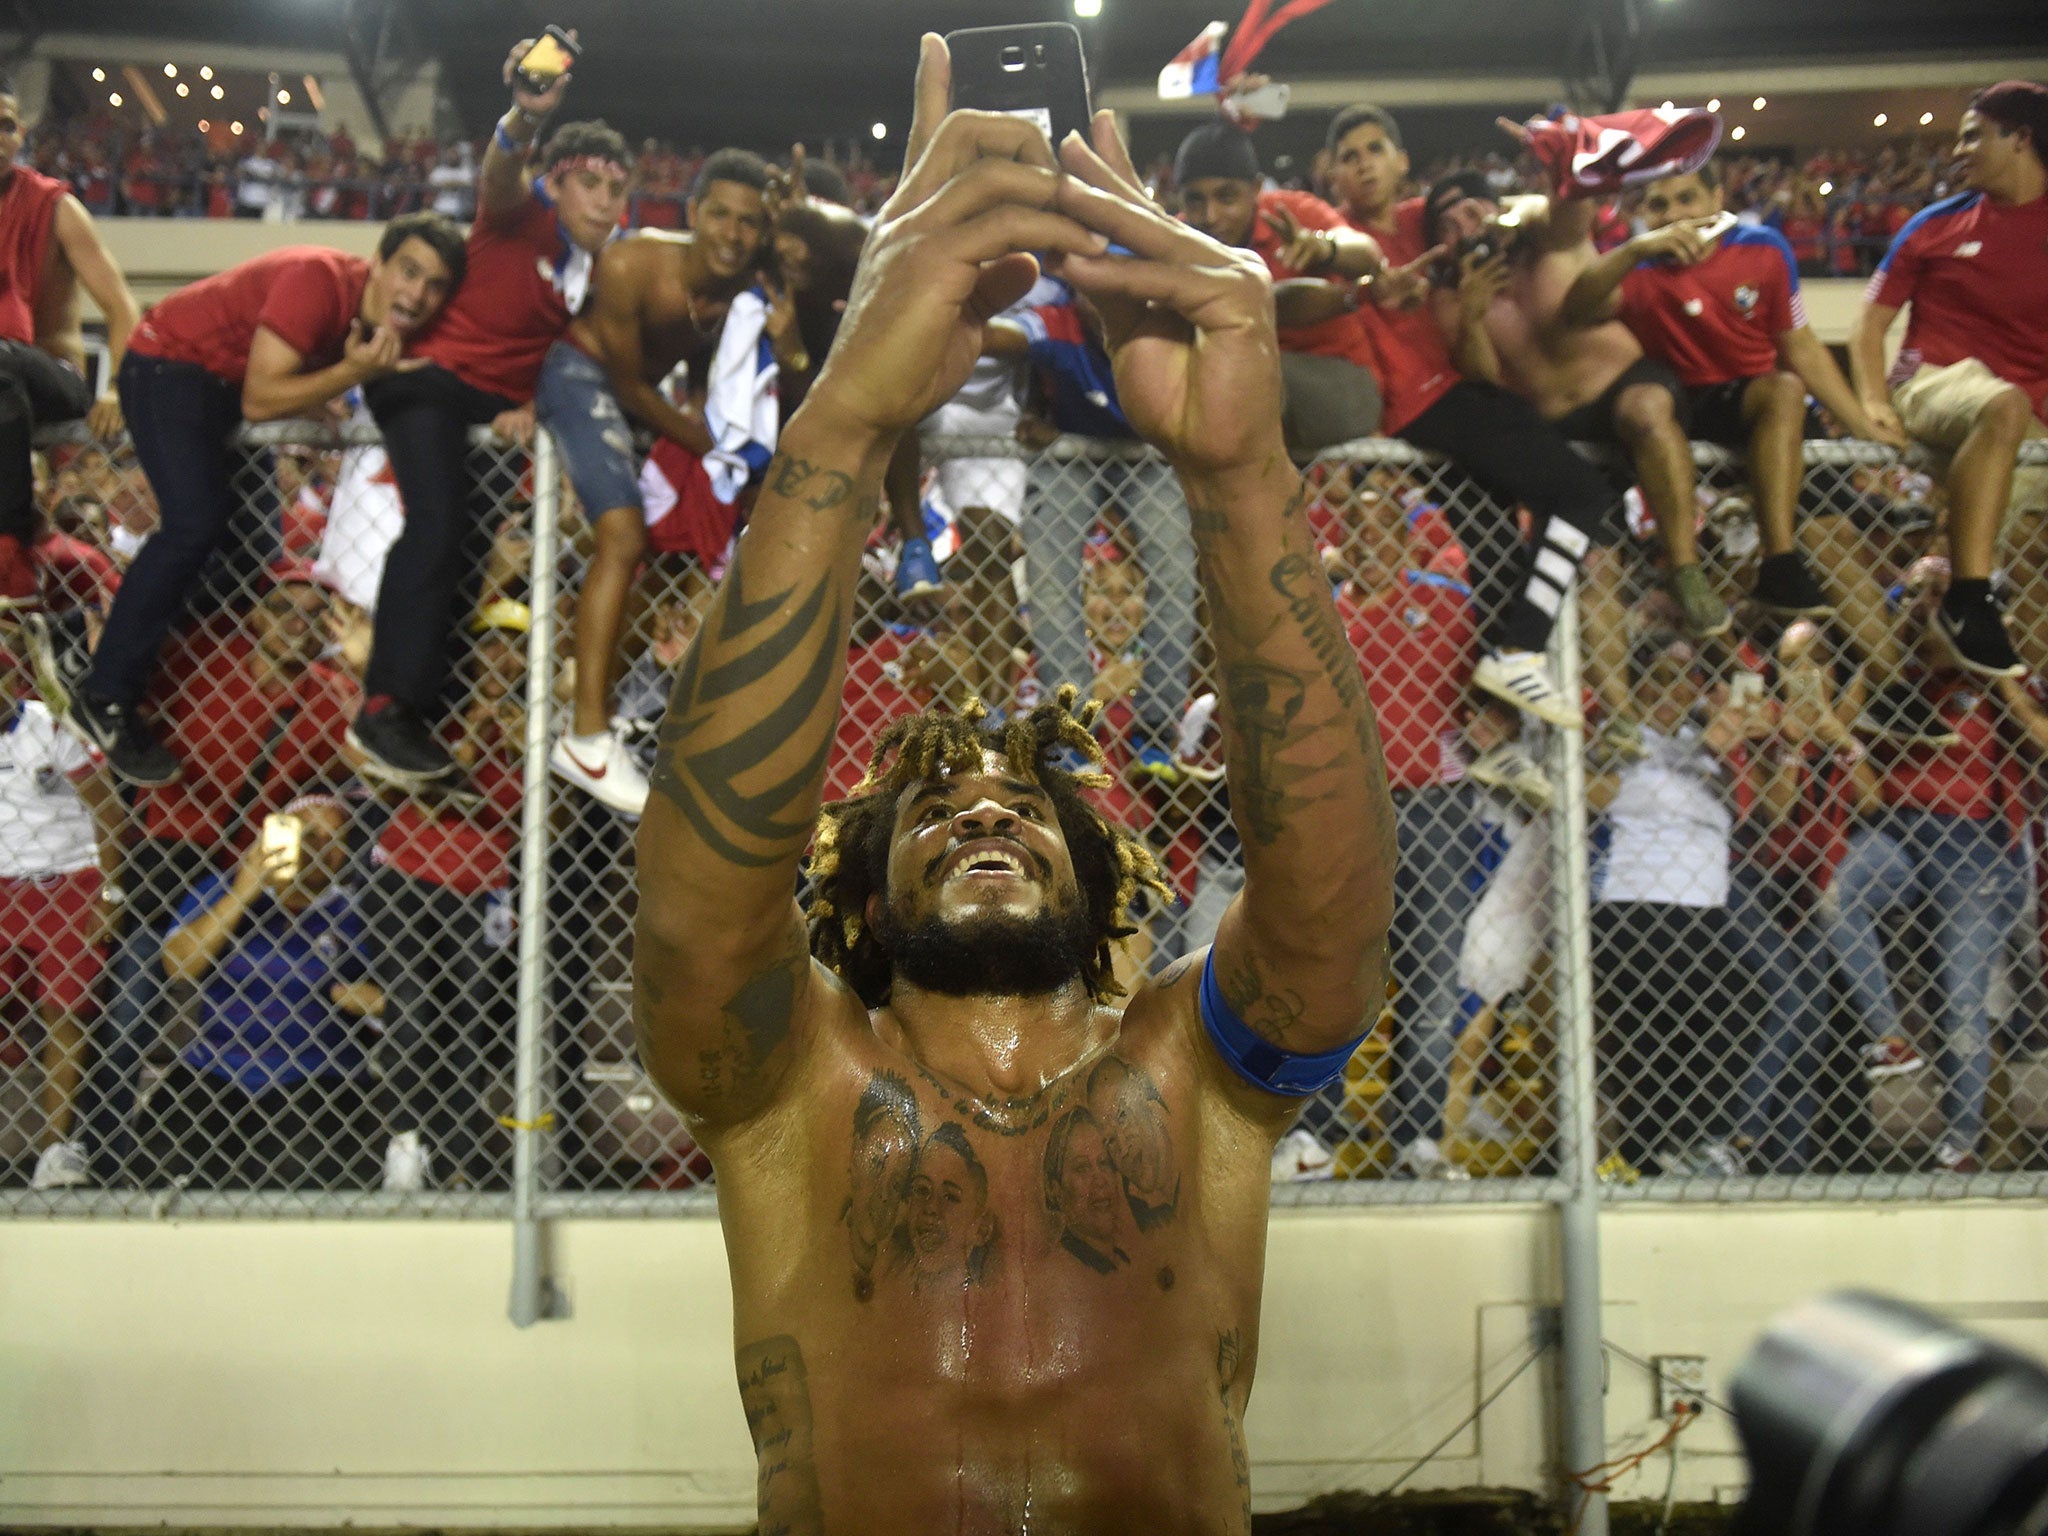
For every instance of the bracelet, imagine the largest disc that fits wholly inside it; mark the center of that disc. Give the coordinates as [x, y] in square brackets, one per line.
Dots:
[506, 142]
[1329, 250]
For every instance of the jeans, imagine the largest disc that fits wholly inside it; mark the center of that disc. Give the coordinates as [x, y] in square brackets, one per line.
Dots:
[1969, 876]
[574, 401]
[157, 877]
[448, 1000]
[1777, 945]
[1066, 498]
[425, 417]
[1439, 842]
[36, 389]
[180, 418]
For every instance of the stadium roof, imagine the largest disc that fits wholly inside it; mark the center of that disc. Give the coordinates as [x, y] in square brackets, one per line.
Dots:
[766, 70]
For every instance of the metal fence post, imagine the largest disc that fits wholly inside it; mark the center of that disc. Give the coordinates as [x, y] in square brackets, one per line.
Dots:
[1583, 1408]
[532, 1291]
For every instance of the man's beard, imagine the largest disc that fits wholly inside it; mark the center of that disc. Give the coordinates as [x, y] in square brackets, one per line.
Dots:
[990, 954]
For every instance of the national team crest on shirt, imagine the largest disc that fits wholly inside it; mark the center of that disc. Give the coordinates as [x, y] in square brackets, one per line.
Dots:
[1415, 618]
[1745, 300]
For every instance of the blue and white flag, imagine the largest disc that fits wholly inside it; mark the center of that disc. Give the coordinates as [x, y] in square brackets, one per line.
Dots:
[1193, 70]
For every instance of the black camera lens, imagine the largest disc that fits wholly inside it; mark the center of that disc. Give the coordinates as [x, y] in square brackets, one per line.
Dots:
[1863, 1416]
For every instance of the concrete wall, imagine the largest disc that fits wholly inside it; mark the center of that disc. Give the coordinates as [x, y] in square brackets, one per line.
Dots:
[281, 1374]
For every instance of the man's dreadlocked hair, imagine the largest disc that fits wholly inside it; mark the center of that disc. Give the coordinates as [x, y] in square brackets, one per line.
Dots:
[850, 855]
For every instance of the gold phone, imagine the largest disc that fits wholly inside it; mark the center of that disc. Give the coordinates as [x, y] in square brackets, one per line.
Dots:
[282, 832]
[553, 56]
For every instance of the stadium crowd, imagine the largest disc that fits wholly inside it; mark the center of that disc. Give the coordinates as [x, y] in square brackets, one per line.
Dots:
[267, 735]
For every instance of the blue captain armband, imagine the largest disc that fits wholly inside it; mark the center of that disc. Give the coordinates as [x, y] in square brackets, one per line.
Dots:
[1257, 1060]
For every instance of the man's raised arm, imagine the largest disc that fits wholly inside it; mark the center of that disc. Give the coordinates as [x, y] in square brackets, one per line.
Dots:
[725, 994]
[1300, 957]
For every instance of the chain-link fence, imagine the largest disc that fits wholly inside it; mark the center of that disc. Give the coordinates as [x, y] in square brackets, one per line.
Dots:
[274, 987]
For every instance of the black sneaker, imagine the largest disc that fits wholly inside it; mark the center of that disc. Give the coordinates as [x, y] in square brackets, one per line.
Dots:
[1785, 586]
[397, 747]
[135, 755]
[1972, 630]
[1902, 712]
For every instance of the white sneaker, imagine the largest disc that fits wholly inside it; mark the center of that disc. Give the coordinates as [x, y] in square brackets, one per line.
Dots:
[1301, 1159]
[1482, 1124]
[1523, 679]
[602, 768]
[1422, 1158]
[62, 1165]
[408, 1165]
[1514, 773]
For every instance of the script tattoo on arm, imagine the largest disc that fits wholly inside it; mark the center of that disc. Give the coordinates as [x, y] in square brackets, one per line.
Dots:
[1229, 1360]
[775, 1392]
[821, 490]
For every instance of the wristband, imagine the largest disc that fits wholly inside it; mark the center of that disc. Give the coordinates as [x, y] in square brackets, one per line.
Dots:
[506, 142]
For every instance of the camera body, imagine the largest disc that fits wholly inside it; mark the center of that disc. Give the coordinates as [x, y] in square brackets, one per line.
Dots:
[1447, 269]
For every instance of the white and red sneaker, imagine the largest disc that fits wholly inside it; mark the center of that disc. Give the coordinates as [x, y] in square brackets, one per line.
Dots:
[1301, 1159]
[602, 768]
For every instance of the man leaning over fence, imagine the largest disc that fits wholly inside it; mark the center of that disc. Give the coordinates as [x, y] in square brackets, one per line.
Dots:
[280, 335]
[531, 255]
[1971, 379]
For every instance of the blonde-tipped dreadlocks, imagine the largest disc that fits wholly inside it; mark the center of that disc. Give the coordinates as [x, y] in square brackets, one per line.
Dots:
[850, 850]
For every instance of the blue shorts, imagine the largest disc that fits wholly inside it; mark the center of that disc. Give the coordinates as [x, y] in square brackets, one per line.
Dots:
[574, 401]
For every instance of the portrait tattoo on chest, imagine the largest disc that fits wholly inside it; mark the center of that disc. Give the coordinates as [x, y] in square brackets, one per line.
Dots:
[919, 1203]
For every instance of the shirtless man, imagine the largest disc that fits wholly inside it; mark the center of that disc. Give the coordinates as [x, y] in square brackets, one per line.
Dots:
[1591, 381]
[658, 299]
[1075, 1348]
[48, 247]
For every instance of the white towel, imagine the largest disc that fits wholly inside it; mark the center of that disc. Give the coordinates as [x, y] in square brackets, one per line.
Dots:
[740, 405]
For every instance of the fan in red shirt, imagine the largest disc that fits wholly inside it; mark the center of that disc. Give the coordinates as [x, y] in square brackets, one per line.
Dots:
[1971, 380]
[1331, 395]
[1493, 436]
[531, 252]
[276, 336]
[1725, 314]
[48, 249]
[437, 905]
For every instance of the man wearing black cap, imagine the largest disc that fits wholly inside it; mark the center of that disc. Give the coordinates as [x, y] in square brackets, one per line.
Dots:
[1326, 364]
[1495, 437]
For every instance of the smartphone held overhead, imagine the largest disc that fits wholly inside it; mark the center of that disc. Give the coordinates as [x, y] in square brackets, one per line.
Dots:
[283, 836]
[1033, 71]
[550, 58]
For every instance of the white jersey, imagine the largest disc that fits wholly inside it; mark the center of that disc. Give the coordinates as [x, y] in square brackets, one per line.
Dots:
[363, 522]
[45, 828]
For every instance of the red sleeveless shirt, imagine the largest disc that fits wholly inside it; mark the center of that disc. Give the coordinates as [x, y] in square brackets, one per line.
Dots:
[27, 208]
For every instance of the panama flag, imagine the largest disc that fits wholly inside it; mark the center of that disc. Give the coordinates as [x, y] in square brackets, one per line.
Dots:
[1193, 70]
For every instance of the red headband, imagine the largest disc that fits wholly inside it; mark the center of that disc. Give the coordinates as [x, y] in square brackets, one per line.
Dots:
[598, 163]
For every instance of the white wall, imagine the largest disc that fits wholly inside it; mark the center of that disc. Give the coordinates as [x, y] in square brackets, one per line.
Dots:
[284, 1374]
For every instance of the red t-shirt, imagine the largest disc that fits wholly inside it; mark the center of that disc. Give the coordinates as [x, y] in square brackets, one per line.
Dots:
[509, 310]
[876, 693]
[462, 850]
[309, 295]
[1975, 272]
[1719, 319]
[1415, 369]
[1344, 335]
[214, 716]
[28, 207]
[1980, 778]
[1416, 644]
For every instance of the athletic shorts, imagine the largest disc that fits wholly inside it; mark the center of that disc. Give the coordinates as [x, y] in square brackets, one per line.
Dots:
[1939, 406]
[1593, 422]
[574, 401]
[46, 929]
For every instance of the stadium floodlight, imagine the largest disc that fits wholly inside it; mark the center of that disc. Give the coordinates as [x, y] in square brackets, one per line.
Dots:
[1714, 105]
[184, 89]
[1087, 7]
[206, 71]
[1826, 187]
[1738, 132]
[99, 76]
[284, 98]
[1758, 104]
[235, 127]
[1668, 106]
[1926, 118]
[205, 126]
[218, 93]
[113, 98]
[880, 130]
[170, 71]
[1880, 120]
